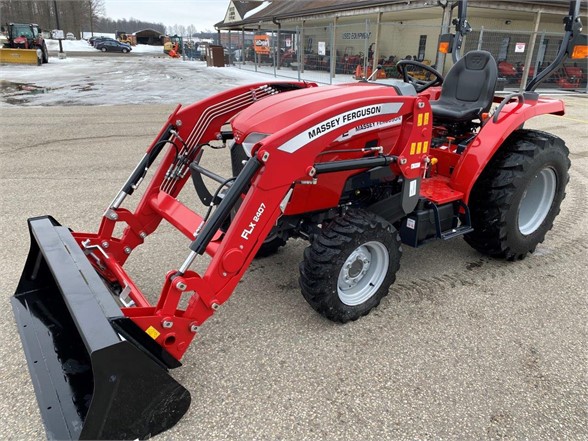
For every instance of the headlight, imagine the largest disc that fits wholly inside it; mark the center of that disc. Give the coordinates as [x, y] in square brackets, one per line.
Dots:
[251, 140]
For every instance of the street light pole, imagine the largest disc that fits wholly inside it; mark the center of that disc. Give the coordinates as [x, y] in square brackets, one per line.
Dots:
[58, 27]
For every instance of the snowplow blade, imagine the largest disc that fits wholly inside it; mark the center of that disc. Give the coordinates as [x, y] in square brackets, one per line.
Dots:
[94, 376]
[21, 56]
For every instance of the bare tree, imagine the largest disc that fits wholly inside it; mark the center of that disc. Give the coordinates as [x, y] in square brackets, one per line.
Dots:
[191, 30]
[96, 9]
[74, 16]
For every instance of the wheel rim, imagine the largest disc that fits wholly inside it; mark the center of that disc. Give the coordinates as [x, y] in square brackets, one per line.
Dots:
[537, 201]
[362, 273]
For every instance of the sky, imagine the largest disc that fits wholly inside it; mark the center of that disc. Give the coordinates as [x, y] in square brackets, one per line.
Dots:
[203, 14]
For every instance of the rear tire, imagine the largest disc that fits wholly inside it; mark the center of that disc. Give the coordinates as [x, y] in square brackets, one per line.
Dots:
[350, 265]
[518, 195]
[103, 49]
[45, 54]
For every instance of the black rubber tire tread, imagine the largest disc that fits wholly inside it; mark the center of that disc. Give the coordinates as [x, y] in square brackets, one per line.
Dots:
[45, 56]
[496, 196]
[323, 259]
[270, 247]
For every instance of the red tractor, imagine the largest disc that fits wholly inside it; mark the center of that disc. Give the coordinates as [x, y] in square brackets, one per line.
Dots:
[27, 36]
[356, 169]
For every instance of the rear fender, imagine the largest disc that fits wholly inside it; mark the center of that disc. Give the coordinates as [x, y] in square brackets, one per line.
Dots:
[494, 132]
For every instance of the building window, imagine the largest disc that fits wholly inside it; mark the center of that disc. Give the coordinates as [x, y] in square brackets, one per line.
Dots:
[232, 13]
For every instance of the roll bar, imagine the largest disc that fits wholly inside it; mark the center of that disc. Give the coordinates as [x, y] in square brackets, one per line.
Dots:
[572, 37]
[573, 28]
[462, 28]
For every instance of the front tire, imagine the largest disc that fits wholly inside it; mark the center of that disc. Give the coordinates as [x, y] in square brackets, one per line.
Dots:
[350, 265]
[103, 49]
[270, 245]
[517, 197]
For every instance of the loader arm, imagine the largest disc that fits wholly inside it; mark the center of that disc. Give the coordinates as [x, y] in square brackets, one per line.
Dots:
[280, 162]
[96, 373]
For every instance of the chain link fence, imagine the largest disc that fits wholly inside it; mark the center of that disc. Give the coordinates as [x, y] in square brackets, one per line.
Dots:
[343, 52]
[336, 52]
[514, 50]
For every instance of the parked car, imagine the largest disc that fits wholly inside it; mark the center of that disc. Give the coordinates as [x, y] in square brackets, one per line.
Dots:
[112, 46]
[70, 36]
[95, 40]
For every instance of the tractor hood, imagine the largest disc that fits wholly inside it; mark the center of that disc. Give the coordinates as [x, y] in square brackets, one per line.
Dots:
[271, 114]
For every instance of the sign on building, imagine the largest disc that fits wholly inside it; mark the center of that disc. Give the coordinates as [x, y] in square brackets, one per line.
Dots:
[322, 48]
[261, 44]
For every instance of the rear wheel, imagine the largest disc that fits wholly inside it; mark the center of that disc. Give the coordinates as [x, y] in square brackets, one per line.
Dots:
[45, 54]
[350, 265]
[103, 49]
[517, 197]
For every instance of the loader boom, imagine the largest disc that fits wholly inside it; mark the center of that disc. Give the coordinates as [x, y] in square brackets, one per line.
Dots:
[279, 163]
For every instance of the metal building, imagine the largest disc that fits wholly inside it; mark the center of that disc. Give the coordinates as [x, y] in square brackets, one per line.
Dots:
[336, 36]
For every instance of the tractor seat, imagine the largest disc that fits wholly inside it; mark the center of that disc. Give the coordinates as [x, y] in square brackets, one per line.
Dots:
[468, 88]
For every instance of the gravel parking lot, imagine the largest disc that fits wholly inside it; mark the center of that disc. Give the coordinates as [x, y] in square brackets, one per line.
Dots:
[464, 347]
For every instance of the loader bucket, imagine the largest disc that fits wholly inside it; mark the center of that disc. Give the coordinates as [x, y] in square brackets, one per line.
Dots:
[92, 378]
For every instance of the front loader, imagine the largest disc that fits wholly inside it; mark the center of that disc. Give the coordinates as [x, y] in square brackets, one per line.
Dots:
[357, 170]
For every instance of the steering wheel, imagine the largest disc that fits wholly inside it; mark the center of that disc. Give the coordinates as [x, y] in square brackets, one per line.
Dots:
[419, 85]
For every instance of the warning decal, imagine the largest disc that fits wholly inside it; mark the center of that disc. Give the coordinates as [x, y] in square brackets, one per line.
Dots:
[152, 332]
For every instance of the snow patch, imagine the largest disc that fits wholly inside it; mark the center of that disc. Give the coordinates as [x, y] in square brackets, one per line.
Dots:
[84, 46]
[113, 80]
[258, 9]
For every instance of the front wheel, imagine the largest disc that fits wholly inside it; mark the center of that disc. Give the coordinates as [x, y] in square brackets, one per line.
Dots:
[517, 197]
[124, 51]
[350, 265]
[103, 49]
[270, 245]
